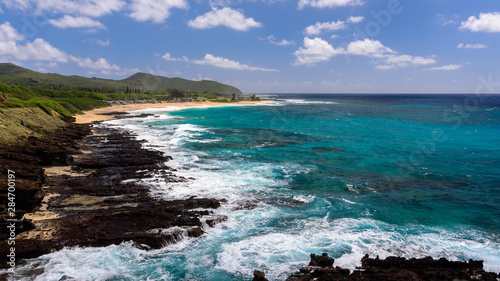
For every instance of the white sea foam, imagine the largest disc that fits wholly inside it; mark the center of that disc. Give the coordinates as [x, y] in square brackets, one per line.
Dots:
[304, 198]
[300, 101]
[259, 234]
[348, 240]
[281, 252]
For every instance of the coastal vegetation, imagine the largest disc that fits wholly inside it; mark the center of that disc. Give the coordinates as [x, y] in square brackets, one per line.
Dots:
[31, 102]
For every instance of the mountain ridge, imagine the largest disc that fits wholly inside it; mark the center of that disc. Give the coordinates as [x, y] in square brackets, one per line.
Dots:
[12, 74]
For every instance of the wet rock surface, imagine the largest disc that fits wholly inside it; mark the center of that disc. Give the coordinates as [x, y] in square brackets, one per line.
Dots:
[91, 194]
[394, 268]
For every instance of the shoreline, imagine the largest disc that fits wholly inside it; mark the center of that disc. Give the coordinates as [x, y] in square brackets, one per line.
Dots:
[106, 113]
[372, 268]
[88, 195]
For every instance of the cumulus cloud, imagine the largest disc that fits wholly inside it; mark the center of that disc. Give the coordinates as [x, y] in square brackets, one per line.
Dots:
[224, 17]
[472, 46]
[221, 62]
[319, 27]
[357, 19]
[447, 67]
[328, 3]
[40, 50]
[156, 11]
[99, 64]
[325, 26]
[92, 8]
[487, 22]
[388, 58]
[76, 22]
[318, 50]
[9, 34]
[368, 47]
[315, 50]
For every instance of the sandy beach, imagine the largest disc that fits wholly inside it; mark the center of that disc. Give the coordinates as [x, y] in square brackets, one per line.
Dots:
[101, 114]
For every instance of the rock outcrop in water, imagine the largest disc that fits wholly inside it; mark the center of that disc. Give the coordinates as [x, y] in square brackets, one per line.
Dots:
[90, 195]
[393, 269]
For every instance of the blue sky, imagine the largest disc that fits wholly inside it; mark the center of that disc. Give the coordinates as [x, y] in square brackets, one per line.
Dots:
[264, 46]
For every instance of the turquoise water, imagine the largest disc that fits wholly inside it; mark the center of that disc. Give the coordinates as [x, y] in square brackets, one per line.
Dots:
[348, 175]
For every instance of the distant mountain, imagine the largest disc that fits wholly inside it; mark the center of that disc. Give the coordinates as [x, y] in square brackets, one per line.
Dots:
[12, 74]
[160, 83]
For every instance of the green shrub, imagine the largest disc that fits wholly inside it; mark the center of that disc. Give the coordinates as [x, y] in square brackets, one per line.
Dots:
[22, 93]
[48, 104]
[13, 102]
[4, 88]
[71, 108]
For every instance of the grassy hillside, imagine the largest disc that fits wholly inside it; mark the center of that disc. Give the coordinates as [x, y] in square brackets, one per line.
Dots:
[26, 121]
[12, 74]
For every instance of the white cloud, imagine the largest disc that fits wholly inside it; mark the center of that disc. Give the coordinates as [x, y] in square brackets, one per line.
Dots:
[472, 46]
[388, 58]
[228, 64]
[76, 22]
[224, 17]
[9, 34]
[368, 47]
[487, 22]
[396, 61]
[92, 8]
[99, 64]
[317, 50]
[328, 3]
[219, 3]
[220, 62]
[314, 51]
[155, 10]
[282, 42]
[40, 50]
[357, 19]
[167, 57]
[328, 26]
[447, 67]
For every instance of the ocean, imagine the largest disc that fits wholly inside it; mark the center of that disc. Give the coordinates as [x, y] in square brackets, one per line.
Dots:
[348, 175]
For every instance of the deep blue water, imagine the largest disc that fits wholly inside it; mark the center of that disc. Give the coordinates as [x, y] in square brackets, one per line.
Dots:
[407, 175]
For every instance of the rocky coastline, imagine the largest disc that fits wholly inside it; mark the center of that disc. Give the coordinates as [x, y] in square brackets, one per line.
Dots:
[321, 268]
[80, 186]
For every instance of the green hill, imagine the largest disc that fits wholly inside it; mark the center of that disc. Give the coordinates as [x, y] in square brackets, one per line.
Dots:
[159, 83]
[12, 74]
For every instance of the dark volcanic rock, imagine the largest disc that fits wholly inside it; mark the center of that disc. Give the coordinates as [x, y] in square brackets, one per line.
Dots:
[102, 201]
[323, 260]
[394, 269]
[259, 276]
